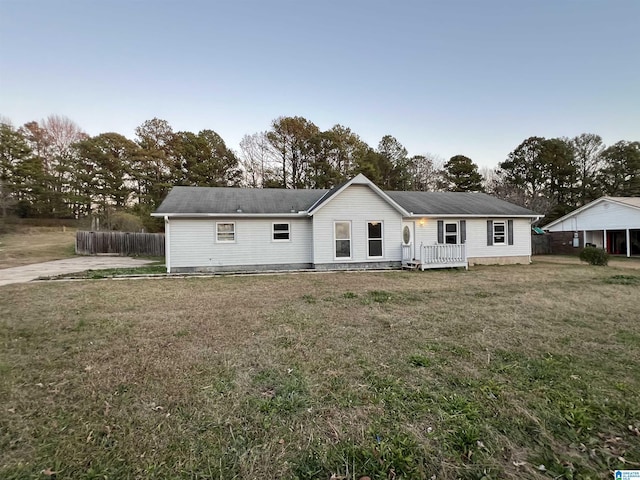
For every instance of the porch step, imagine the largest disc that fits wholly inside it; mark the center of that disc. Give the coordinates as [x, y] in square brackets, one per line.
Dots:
[411, 265]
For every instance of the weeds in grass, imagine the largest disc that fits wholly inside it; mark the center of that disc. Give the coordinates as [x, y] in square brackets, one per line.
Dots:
[309, 299]
[115, 272]
[379, 296]
[419, 360]
[623, 280]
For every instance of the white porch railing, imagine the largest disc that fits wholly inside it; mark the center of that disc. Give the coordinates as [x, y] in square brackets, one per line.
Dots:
[443, 256]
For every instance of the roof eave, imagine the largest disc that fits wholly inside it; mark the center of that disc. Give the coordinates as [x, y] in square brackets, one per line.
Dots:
[231, 214]
[473, 215]
[621, 202]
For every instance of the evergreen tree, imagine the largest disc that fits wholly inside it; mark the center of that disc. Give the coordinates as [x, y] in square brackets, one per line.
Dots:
[460, 174]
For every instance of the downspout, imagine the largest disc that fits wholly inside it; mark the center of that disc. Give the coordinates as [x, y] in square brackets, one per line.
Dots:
[167, 243]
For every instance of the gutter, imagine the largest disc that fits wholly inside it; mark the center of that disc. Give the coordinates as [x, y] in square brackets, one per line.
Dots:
[304, 214]
[230, 214]
[468, 215]
[167, 243]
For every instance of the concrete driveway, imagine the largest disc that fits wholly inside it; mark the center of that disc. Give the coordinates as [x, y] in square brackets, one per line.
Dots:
[27, 273]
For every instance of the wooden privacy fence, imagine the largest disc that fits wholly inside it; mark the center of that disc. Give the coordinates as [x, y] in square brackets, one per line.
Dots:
[120, 243]
[540, 244]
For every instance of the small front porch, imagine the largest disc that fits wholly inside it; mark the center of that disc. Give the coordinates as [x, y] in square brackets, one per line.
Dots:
[616, 242]
[435, 256]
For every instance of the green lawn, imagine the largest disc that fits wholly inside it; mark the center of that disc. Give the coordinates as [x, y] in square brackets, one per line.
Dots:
[497, 372]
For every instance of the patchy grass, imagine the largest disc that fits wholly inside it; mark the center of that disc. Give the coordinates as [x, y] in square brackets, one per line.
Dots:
[623, 279]
[618, 261]
[36, 244]
[500, 372]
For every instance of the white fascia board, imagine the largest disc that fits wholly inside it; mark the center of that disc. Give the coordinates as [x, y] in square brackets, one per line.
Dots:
[317, 202]
[227, 215]
[621, 202]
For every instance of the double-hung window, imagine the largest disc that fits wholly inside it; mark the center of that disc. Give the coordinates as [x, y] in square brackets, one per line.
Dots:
[342, 237]
[281, 232]
[499, 233]
[374, 238]
[451, 233]
[225, 232]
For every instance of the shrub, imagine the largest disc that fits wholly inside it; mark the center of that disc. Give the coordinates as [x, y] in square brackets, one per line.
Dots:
[126, 222]
[594, 256]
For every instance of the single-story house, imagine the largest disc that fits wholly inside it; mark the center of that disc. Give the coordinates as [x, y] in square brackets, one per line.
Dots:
[612, 223]
[352, 226]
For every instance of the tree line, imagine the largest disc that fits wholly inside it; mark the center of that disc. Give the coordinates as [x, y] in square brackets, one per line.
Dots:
[52, 168]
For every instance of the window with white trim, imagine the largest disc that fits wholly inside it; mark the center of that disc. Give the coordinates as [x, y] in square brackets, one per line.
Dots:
[374, 239]
[281, 232]
[342, 237]
[499, 233]
[451, 233]
[225, 232]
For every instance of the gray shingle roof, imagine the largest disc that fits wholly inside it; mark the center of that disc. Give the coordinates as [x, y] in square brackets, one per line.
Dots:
[456, 203]
[226, 200]
[200, 200]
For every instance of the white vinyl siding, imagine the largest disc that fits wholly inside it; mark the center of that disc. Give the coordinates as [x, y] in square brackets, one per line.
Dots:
[356, 204]
[476, 237]
[602, 216]
[193, 243]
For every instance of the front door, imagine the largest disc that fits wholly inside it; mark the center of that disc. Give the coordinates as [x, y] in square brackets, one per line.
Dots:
[408, 241]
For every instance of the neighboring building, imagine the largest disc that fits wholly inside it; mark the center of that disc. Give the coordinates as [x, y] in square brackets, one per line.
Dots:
[612, 223]
[352, 226]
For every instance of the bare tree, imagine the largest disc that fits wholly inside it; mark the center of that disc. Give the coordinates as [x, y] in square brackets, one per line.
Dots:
[51, 142]
[62, 132]
[290, 137]
[256, 159]
[426, 172]
[588, 158]
[507, 190]
[490, 178]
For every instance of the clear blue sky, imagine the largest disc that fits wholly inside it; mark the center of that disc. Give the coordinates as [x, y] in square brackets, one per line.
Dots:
[444, 77]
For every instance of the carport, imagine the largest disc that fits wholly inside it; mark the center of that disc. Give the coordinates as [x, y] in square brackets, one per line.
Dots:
[612, 223]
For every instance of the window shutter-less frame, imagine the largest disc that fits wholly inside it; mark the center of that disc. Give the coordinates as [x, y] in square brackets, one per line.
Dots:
[440, 231]
[463, 231]
[510, 231]
[489, 232]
